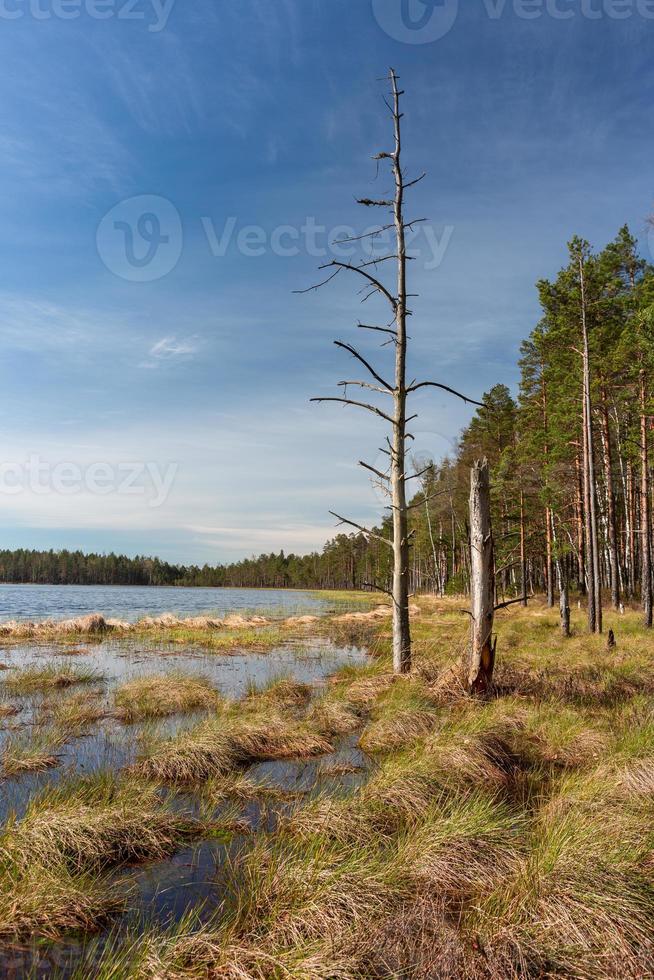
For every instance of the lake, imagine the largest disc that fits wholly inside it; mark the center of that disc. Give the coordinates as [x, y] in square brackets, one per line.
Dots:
[37, 602]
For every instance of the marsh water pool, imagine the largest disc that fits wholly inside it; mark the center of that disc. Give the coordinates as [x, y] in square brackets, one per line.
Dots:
[133, 602]
[163, 892]
[113, 745]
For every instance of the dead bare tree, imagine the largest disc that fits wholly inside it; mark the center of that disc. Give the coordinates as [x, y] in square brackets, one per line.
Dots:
[394, 479]
[482, 581]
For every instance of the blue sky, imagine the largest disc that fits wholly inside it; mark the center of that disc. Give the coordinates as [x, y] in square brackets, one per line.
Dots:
[533, 125]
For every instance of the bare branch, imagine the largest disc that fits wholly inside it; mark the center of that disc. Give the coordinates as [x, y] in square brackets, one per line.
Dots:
[365, 326]
[366, 466]
[379, 260]
[421, 502]
[512, 602]
[377, 588]
[354, 352]
[360, 238]
[412, 183]
[416, 476]
[371, 279]
[364, 384]
[364, 530]
[452, 391]
[348, 401]
[318, 285]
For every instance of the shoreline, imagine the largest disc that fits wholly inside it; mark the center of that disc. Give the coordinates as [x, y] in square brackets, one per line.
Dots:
[207, 630]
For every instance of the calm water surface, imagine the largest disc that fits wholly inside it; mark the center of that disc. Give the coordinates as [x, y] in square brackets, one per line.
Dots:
[36, 602]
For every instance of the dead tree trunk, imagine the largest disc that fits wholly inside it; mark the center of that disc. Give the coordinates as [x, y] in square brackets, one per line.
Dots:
[394, 481]
[401, 625]
[482, 586]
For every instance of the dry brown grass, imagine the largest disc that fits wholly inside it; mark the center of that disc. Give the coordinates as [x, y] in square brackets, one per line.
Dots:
[221, 745]
[92, 831]
[394, 732]
[162, 695]
[52, 860]
[75, 713]
[23, 754]
[282, 694]
[333, 716]
[50, 902]
[51, 677]
[502, 838]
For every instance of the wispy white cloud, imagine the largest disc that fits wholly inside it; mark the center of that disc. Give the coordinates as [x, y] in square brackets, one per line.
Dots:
[170, 349]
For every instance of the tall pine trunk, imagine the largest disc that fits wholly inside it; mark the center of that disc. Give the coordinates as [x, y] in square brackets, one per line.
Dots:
[614, 566]
[590, 489]
[646, 549]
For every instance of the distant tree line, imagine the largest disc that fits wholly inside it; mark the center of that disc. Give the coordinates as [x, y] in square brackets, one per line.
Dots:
[341, 566]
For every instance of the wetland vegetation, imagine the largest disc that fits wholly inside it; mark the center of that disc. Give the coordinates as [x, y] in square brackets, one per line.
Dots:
[363, 824]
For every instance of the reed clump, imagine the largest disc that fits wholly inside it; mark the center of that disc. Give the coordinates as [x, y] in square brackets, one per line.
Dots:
[51, 677]
[228, 742]
[162, 695]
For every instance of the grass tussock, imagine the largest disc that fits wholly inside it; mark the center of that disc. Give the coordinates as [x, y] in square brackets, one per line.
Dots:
[73, 714]
[53, 861]
[283, 693]
[163, 695]
[229, 742]
[53, 676]
[22, 755]
[51, 902]
[402, 714]
[98, 824]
